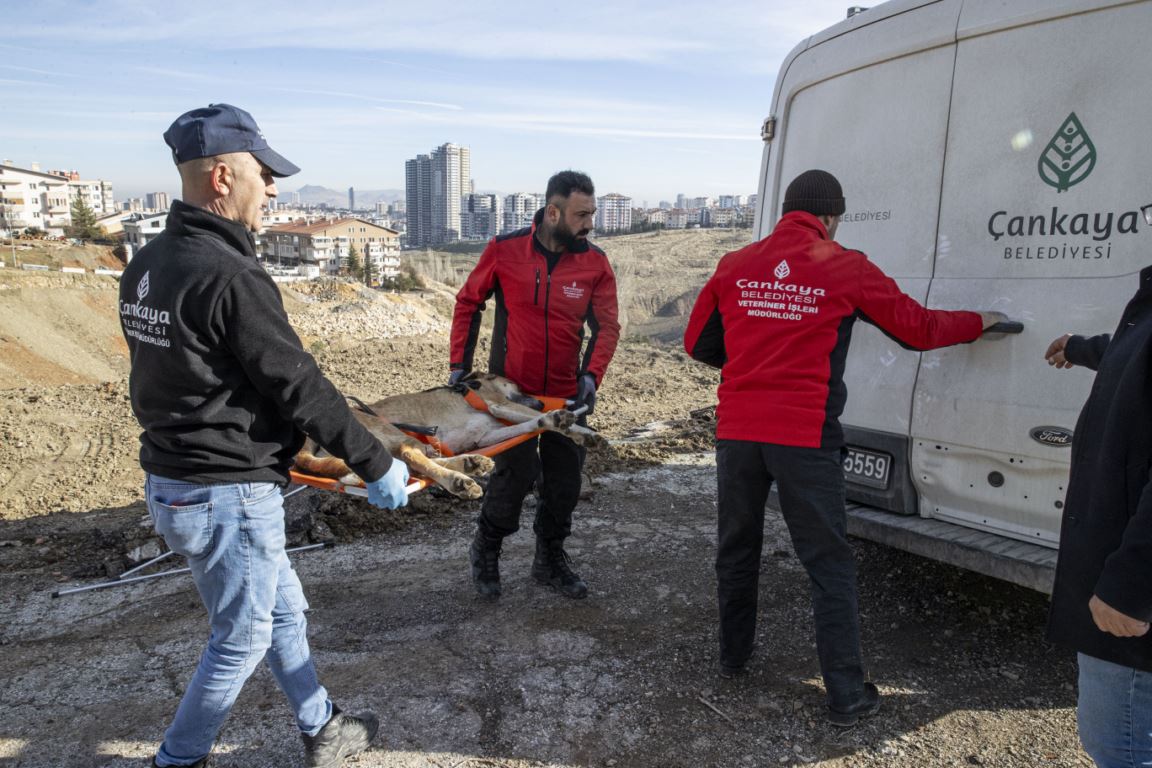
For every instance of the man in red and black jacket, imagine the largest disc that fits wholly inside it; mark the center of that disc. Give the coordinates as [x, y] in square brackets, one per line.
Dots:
[549, 283]
[776, 318]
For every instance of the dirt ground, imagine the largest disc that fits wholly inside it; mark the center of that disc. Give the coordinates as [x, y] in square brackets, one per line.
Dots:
[624, 678]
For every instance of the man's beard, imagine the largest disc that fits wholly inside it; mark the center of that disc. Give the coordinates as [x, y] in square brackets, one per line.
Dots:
[567, 238]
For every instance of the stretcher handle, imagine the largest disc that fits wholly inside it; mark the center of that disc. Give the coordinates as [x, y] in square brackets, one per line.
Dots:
[362, 492]
[1005, 326]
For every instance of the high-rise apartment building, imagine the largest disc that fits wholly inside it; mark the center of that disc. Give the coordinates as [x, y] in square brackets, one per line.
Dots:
[434, 187]
[480, 216]
[613, 213]
[157, 201]
[519, 208]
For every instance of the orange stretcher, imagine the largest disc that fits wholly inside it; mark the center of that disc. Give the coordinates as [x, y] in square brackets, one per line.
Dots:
[419, 483]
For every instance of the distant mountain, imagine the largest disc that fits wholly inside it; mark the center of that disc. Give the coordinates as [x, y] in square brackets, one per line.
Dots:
[311, 194]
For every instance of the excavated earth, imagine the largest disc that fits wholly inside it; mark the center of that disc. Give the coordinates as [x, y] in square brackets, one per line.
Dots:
[624, 678]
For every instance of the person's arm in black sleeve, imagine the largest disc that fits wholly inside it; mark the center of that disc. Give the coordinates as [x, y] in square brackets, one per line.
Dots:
[253, 322]
[704, 336]
[1087, 350]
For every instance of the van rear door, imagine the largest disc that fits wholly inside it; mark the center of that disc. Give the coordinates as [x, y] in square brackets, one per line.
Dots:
[1047, 164]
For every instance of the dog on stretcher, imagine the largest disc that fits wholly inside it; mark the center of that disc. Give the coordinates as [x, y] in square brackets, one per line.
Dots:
[482, 409]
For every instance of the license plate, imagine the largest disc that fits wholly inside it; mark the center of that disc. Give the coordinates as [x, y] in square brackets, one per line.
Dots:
[867, 468]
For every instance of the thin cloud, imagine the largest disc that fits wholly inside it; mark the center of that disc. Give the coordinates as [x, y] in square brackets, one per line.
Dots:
[374, 99]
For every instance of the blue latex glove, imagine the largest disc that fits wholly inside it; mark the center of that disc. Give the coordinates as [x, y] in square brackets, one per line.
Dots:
[388, 492]
[585, 393]
[455, 376]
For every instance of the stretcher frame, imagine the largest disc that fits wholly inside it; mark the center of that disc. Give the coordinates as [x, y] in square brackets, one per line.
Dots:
[419, 483]
[302, 480]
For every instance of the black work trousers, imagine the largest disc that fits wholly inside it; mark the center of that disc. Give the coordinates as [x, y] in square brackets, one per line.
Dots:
[811, 485]
[558, 462]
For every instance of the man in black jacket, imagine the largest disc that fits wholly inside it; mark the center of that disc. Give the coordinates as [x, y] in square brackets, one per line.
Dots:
[226, 393]
[1102, 597]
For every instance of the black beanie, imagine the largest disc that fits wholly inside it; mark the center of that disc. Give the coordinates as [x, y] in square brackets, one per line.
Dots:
[816, 192]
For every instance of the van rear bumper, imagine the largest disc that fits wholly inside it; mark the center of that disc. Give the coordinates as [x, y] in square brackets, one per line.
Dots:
[1018, 562]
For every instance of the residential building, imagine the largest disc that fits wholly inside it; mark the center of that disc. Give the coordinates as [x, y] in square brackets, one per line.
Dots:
[97, 193]
[657, 216]
[157, 201]
[31, 199]
[322, 247]
[613, 213]
[677, 218]
[141, 229]
[519, 208]
[434, 187]
[480, 216]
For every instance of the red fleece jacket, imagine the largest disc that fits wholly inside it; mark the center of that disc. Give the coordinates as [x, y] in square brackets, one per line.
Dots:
[777, 317]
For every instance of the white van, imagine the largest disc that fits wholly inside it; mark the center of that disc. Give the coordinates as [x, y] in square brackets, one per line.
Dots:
[994, 155]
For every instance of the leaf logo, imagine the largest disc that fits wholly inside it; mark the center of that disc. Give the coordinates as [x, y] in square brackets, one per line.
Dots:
[1069, 157]
[782, 270]
[142, 287]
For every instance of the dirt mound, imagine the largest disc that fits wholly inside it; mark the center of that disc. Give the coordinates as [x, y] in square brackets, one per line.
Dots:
[326, 311]
[59, 328]
[57, 254]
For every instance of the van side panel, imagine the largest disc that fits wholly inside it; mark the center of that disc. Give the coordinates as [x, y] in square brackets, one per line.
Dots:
[1047, 162]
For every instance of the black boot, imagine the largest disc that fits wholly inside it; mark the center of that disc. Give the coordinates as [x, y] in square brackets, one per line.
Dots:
[485, 557]
[552, 567]
[342, 736]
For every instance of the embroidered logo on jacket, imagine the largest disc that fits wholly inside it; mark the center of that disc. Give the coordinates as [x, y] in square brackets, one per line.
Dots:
[147, 324]
[573, 291]
[782, 270]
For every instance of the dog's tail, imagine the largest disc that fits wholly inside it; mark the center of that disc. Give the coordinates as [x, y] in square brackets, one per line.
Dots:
[328, 466]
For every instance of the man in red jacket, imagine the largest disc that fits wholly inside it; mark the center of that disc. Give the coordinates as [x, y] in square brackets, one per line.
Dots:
[549, 283]
[777, 317]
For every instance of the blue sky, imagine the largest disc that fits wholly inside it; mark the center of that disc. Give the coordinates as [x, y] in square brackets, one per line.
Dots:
[649, 98]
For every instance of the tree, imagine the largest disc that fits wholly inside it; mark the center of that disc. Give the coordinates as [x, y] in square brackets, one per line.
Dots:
[84, 226]
[369, 273]
[352, 263]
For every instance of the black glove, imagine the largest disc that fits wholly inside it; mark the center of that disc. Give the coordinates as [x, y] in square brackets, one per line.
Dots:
[585, 393]
[455, 376]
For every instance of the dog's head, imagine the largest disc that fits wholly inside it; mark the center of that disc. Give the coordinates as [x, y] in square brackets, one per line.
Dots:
[493, 388]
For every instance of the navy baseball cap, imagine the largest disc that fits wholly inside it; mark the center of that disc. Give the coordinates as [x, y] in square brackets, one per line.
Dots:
[220, 129]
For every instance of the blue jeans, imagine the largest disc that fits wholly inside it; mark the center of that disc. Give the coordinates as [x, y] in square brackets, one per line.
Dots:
[1114, 712]
[233, 538]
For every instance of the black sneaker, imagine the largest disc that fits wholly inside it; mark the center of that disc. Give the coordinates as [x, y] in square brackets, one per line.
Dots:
[732, 671]
[343, 736]
[484, 555]
[201, 763]
[552, 567]
[868, 705]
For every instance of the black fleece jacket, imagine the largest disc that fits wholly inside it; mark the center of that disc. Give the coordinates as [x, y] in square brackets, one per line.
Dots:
[220, 382]
[1106, 537]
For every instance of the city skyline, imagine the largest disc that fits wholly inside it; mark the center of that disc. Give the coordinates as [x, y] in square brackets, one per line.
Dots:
[650, 99]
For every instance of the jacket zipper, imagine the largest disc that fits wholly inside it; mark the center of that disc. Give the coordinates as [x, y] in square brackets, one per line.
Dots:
[547, 298]
[536, 295]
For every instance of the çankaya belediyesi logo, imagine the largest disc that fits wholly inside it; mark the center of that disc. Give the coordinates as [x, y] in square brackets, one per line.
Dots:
[782, 270]
[146, 324]
[1069, 157]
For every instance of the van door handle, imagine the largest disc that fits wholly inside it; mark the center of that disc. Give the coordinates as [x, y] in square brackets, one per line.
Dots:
[1005, 326]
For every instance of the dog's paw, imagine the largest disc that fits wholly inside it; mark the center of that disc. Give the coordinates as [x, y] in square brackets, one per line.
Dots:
[478, 465]
[464, 487]
[588, 439]
[559, 419]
